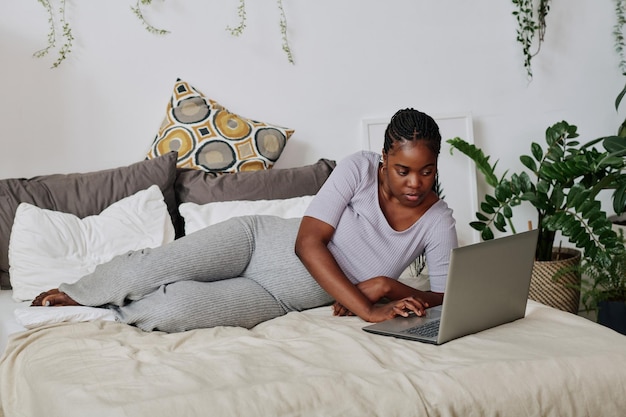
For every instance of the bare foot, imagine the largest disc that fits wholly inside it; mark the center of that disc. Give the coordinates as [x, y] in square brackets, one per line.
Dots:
[53, 298]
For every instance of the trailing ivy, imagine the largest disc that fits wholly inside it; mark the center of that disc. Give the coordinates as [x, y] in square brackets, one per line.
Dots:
[66, 33]
[283, 31]
[241, 12]
[51, 32]
[531, 28]
[618, 33]
[144, 22]
[68, 38]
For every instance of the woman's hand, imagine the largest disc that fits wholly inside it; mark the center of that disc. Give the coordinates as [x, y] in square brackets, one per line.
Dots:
[403, 307]
[381, 312]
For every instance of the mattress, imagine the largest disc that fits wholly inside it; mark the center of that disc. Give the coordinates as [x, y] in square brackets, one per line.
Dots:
[551, 363]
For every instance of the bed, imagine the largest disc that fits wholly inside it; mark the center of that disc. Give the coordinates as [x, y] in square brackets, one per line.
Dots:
[310, 363]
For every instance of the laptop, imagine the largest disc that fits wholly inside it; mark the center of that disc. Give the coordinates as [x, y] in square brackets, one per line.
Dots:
[487, 286]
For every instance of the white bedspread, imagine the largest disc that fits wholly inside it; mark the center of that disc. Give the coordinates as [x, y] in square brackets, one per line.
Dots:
[8, 324]
[312, 364]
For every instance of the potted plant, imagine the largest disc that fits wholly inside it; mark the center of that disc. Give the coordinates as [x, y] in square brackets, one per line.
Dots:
[562, 184]
[604, 289]
[604, 285]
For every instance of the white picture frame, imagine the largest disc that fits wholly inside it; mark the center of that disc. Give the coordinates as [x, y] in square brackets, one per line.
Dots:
[457, 175]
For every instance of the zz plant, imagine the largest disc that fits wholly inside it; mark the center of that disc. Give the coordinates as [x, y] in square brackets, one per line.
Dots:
[562, 184]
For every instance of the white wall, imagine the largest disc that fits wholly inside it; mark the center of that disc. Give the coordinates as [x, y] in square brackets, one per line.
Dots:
[355, 60]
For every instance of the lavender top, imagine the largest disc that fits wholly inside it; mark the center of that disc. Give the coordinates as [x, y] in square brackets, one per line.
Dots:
[364, 244]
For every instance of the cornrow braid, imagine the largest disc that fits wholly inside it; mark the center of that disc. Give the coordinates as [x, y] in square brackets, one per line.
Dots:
[412, 125]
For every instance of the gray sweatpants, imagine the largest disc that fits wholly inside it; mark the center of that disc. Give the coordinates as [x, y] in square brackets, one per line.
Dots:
[240, 272]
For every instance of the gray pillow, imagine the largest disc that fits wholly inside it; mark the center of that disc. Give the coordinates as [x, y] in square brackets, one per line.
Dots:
[83, 194]
[194, 186]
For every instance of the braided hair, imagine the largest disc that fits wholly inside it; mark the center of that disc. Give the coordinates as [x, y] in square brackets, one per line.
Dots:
[412, 125]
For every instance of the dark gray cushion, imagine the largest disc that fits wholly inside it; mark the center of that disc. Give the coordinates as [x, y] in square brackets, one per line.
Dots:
[83, 194]
[194, 186]
[86, 194]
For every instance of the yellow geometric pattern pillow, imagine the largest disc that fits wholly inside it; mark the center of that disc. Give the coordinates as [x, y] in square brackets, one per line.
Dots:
[209, 137]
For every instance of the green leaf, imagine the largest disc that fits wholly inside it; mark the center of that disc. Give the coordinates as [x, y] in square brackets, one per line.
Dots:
[540, 201]
[557, 197]
[478, 226]
[507, 212]
[589, 208]
[554, 153]
[479, 158]
[503, 192]
[599, 223]
[499, 222]
[543, 186]
[619, 98]
[482, 217]
[577, 233]
[615, 145]
[576, 197]
[486, 234]
[487, 208]
[515, 185]
[611, 161]
[528, 162]
[525, 182]
[619, 199]
[493, 202]
[549, 173]
[537, 152]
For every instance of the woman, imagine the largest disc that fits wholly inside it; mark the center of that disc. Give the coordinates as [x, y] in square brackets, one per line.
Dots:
[372, 217]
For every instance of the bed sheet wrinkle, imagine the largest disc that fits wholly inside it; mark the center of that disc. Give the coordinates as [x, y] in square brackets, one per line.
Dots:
[356, 347]
[473, 396]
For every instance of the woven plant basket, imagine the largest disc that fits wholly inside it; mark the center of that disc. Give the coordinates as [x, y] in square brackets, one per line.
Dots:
[563, 293]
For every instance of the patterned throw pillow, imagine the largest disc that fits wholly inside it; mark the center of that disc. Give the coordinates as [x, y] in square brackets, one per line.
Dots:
[209, 137]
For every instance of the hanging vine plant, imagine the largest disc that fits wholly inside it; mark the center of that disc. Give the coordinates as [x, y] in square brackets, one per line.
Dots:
[238, 30]
[139, 13]
[618, 35]
[66, 33]
[57, 20]
[531, 28]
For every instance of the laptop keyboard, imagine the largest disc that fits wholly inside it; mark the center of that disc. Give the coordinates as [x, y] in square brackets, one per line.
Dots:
[430, 329]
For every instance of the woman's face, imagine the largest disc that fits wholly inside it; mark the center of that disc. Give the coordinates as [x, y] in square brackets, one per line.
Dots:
[409, 170]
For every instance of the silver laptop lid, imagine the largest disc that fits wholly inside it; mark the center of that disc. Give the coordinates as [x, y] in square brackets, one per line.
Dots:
[488, 284]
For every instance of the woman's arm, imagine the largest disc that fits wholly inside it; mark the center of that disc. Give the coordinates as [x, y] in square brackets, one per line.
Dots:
[392, 289]
[378, 288]
[312, 249]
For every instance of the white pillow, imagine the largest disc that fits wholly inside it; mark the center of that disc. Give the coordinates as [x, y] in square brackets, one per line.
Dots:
[32, 317]
[199, 216]
[48, 247]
